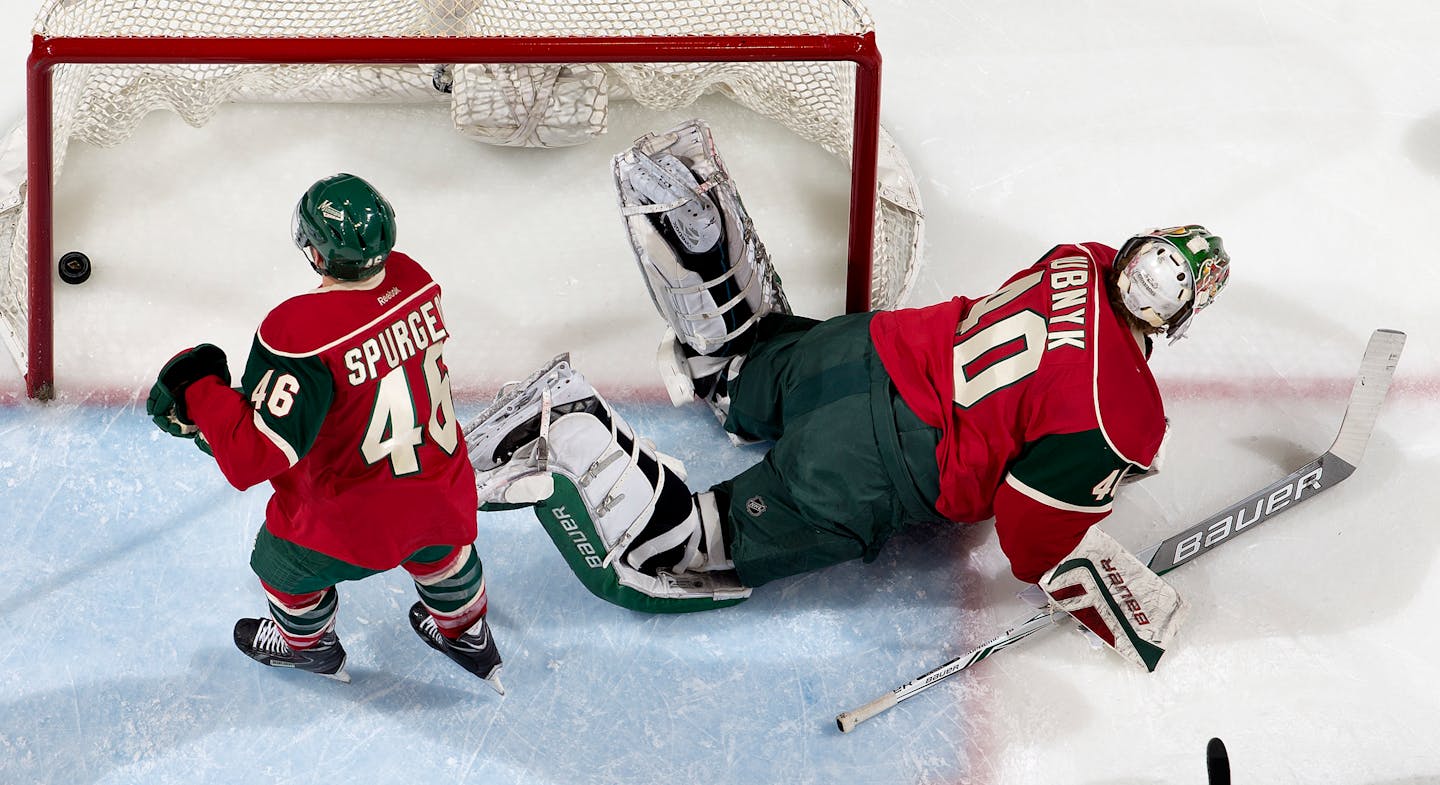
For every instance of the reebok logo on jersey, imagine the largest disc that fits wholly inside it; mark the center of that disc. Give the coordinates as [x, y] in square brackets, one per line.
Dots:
[388, 296]
[331, 212]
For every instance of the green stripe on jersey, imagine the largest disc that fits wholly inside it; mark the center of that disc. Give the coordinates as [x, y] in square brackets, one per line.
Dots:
[1079, 469]
[292, 394]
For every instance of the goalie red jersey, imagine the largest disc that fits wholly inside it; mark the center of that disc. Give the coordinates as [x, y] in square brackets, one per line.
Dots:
[1043, 398]
[345, 408]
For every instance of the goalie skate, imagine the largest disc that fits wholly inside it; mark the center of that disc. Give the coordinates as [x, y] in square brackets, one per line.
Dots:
[509, 441]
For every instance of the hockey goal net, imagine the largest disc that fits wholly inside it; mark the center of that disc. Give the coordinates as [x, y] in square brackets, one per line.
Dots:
[519, 72]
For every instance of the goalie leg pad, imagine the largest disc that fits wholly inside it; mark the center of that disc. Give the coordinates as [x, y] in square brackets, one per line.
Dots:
[1116, 597]
[625, 522]
[708, 273]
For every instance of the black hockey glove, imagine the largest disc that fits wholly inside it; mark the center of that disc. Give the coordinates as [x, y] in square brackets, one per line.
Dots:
[166, 404]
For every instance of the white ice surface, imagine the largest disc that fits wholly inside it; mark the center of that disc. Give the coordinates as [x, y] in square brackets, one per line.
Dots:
[1306, 133]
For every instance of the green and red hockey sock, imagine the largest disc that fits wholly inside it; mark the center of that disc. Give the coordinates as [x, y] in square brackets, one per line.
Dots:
[302, 618]
[451, 589]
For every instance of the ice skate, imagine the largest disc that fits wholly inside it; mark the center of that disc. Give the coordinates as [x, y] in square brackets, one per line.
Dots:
[475, 651]
[261, 641]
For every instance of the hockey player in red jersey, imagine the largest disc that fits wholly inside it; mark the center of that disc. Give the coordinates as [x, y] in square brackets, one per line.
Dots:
[345, 408]
[1029, 405]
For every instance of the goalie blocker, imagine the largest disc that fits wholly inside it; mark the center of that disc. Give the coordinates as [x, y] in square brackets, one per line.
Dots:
[1116, 597]
[616, 509]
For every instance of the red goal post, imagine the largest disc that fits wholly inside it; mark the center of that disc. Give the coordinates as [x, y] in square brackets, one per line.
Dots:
[782, 58]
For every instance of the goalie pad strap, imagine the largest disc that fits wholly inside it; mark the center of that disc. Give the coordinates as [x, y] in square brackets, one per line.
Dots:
[716, 556]
[1115, 596]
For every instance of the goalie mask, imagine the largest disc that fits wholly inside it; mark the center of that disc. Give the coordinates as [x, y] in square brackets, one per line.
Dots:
[348, 223]
[1166, 276]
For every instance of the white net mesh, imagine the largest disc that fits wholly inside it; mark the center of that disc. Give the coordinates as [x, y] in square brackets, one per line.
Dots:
[102, 104]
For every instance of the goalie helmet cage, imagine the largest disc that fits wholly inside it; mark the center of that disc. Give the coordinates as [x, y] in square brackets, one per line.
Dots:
[98, 66]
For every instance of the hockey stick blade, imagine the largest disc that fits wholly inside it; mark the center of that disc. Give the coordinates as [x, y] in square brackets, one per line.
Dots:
[1377, 368]
[1337, 463]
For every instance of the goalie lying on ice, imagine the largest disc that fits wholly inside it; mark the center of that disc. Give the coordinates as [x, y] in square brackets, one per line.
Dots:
[1029, 405]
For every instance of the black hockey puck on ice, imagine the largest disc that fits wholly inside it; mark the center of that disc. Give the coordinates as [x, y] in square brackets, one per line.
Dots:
[74, 268]
[1217, 762]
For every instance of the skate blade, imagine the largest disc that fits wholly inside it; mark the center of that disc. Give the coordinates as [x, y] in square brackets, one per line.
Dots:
[341, 675]
[494, 682]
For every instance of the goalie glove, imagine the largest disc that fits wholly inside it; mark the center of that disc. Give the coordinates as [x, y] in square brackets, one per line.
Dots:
[166, 402]
[1116, 597]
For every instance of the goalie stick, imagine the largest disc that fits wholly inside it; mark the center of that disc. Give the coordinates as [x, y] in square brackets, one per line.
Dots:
[1376, 369]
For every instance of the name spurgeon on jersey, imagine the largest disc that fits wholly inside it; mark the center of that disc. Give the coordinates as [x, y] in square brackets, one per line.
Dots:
[412, 332]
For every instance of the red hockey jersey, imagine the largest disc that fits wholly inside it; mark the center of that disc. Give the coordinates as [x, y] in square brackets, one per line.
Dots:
[345, 408]
[1043, 398]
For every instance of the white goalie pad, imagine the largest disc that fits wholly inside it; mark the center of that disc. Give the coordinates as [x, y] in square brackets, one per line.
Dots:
[650, 527]
[522, 105]
[618, 509]
[708, 273]
[604, 459]
[1116, 597]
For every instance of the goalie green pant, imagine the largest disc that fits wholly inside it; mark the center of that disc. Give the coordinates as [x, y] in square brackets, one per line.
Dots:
[851, 464]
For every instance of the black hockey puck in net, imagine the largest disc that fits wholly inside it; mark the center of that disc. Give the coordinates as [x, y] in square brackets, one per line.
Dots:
[74, 268]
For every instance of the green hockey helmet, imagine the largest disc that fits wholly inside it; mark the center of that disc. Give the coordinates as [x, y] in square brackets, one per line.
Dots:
[348, 223]
[1169, 275]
